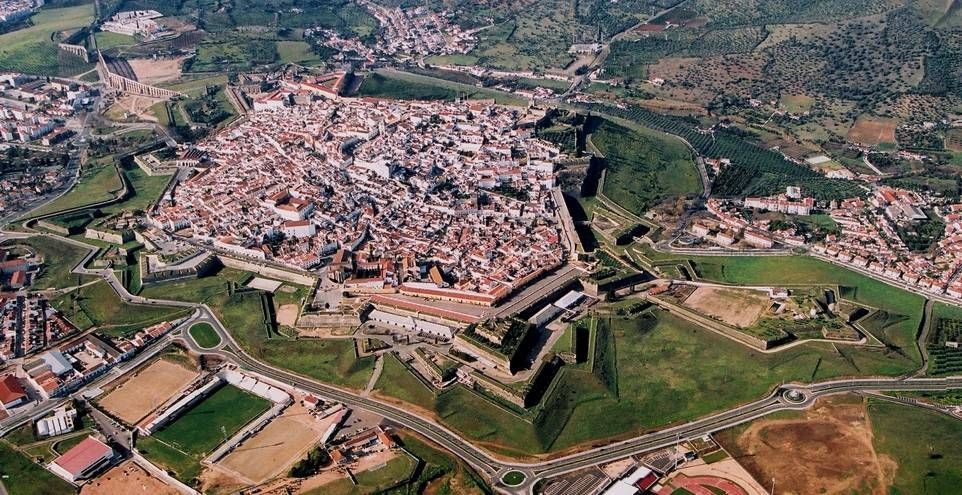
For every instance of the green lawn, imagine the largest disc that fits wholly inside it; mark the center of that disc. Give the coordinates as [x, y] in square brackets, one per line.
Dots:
[198, 289]
[925, 445]
[329, 360]
[59, 258]
[649, 372]
[98, 182]
[396, 381]
[107, 40]
[146, 190]
[202, 428]
[184, 467]
[298, 52]
[643, 167]
[804, 270]
[196, 87]
[204, 335]
[670, 371]
[32, 50]
[20, 476]
[98, 305]
[480, 419]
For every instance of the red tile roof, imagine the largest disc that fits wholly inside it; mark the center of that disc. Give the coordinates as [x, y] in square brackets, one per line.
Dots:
[81, 457]
[11, 389]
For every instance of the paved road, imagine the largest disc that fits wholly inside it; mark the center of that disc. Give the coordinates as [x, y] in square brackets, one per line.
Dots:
[493, 467]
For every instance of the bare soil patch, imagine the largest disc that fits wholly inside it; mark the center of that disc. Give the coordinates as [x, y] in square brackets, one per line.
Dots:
[827, 451]
[872, 131]
[127, 477]
[287, 314]
[152, 71]
[270, 451]
[134, 106]
[736, 307]
[137, 397]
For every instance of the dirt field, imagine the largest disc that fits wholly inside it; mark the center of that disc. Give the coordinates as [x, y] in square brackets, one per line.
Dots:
[828, 451]
[148, 389]
[271, 450]
[871, 132]
[738, 307]
[127, 477]
[150, 71]
[137, 106]
[287, 315]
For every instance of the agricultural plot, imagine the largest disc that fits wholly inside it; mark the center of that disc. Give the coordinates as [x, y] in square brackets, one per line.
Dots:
[403, 85]
[872, 131]
[946, 327]
[148, 389]
[754, 171]
[827, 449]
[33, 50]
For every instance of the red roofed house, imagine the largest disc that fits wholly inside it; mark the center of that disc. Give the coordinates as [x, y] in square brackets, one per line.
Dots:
[18, 279]
[84, 460]
[11, 392]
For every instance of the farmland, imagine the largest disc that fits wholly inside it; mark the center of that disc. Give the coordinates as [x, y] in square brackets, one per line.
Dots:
[403, 85]
[34, 49]
[754, 170]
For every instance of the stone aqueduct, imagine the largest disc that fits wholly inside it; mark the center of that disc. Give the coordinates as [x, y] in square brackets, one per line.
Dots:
[127, 85]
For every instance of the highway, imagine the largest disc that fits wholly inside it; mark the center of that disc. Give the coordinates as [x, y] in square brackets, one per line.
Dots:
[493, 467]
[487, 464]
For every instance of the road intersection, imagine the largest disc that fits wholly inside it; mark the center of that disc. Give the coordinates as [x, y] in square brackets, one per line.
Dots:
[792, 396]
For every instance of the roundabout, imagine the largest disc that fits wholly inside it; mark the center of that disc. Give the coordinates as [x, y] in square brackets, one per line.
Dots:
[513, 478]
[204, 335]
[794, 396]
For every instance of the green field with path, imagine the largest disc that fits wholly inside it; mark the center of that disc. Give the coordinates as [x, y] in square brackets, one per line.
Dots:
[32, 49]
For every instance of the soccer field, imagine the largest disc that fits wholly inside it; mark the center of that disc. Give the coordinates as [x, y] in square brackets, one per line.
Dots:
[205, 425]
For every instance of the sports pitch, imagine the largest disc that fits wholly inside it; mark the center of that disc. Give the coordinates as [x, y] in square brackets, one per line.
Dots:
[137, 397]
